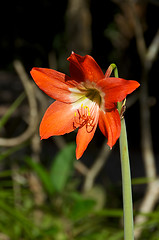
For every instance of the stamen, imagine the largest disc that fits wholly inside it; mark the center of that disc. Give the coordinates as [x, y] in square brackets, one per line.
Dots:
[84, 116]
[85, 107]
[88, 111]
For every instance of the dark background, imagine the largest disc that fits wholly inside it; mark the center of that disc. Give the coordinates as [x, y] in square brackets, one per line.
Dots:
[31, 30]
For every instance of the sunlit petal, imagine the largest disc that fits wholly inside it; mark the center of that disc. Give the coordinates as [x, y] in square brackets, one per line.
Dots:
[110, 126]
[116, 89]
[84, 68]
[57, 120]
[86, 132]
[53, 83]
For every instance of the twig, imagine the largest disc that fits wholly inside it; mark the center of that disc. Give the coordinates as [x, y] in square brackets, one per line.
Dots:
[146, 136]
[140, 41]
[147, 58]
[150, 199]
[97, 166]
[80, 167]
[78, 26]
[152, 51]
[16, 186]
[4, 236]
[148, 204]
[36, 147]
[38, 195]
[33, 113]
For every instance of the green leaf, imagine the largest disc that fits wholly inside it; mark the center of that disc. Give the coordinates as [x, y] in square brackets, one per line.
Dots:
[80, 207]
[16, 216]
[62, 166]
[42, 174]
[110, 213]
[142, 180]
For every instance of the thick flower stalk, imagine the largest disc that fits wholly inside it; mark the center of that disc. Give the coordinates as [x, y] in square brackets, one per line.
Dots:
[84, 100]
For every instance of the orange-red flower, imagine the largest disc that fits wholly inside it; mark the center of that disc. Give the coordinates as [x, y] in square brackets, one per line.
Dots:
[83, 100]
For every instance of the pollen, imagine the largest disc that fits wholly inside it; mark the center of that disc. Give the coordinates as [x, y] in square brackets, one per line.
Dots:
[82, 117]
[85, 107]
[88, 111]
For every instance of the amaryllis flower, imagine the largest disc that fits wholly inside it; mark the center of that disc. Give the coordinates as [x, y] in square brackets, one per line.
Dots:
[83, 100]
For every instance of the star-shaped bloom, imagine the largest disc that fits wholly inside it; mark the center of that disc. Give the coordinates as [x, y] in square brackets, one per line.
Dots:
[84, 100]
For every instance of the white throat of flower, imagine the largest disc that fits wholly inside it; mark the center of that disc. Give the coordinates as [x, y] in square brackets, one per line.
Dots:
[88, 101]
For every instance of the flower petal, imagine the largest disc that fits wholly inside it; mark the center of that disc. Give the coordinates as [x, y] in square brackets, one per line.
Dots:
[85, 135]
[83, 138]
[110, 125]
[57, 120]
[53, 83]
[116, 89]
[84, 68]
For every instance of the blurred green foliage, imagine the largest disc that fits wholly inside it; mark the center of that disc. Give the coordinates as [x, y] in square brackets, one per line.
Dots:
[65, 212]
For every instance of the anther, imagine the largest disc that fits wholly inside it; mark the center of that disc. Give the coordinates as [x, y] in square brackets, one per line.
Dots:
[86, 107]
[83, 117]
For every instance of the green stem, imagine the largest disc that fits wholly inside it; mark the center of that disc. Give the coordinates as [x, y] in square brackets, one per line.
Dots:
[126, 176]
[126, 182]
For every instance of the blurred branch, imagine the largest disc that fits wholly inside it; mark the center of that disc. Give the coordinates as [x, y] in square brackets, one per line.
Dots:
[152, 51]
[149, 200]
[80, 167]
[78, 26]
[147, 206]
[33, 112]
[16, 186]
[35, 140]
[36, 146]
[97, 166]
[4, 236]
[147, 57]
[140, 41]
[38, 195]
